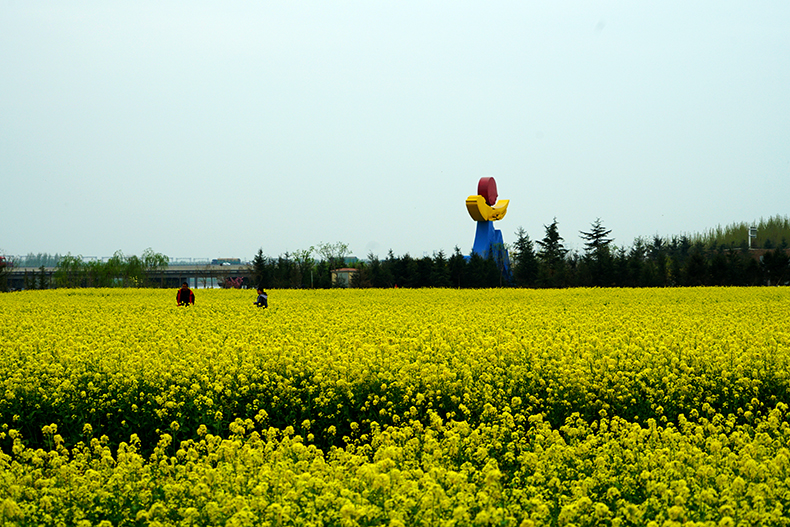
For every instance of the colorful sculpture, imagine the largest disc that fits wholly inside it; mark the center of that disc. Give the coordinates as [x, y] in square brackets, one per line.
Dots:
[485, 210]
[484, 206]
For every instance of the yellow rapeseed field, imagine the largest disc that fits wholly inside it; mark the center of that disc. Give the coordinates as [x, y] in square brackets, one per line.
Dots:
[657, 407]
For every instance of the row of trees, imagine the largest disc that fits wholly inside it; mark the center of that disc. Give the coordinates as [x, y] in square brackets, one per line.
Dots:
[403, 271]
[659, 262]
[299, 269]
[770, 234]
[720, 257]
[117, 271]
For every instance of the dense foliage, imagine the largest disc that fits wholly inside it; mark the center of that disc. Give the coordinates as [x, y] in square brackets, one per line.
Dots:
[400, 407]
[770, 233]
[117, 271]
[74, 271]
[718, 257]
[676, 263]
[721, 257]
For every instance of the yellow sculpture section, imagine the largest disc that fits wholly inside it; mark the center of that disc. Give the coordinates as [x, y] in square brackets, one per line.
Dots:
[479, 210]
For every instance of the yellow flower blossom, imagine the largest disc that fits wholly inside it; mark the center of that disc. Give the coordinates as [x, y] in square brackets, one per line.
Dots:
[409, 407]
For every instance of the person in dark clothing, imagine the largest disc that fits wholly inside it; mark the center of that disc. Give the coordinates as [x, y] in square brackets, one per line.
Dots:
[263, 299]
[185, 296]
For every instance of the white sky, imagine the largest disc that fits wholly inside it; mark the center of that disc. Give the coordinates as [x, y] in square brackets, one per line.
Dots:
[212, 129]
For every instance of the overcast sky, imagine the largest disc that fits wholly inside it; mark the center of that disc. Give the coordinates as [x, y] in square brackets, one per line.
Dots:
[213, 129]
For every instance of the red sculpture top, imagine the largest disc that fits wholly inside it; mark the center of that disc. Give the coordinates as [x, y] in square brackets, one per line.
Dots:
[486, 187]
[484, 205]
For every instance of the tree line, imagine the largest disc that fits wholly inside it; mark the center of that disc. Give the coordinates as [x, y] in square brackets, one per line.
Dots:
[74, 271]
[721, 257]
[403, 271]
[547, 263]
[657, 262]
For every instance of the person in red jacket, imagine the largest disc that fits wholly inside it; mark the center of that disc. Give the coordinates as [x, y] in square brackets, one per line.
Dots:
[185, 296]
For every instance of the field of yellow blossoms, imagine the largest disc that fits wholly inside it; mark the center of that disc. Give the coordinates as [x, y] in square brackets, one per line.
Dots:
[657, 407]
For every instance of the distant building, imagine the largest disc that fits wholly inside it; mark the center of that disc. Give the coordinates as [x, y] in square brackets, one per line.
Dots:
[342, 277]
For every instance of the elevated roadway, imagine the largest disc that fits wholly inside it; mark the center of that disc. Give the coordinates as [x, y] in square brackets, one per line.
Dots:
[197, 276]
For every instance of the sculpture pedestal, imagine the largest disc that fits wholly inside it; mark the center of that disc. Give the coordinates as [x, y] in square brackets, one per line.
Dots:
[489, 241]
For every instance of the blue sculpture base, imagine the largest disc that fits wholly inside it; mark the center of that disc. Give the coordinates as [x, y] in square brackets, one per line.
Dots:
[489, 241]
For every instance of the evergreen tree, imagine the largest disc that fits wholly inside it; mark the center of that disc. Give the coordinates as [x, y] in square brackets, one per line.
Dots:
[403, 271]
[752, 273]
[574, 267]
[261, 272]
[657, 255]
[596, 239]
[636, 262]
[373, 272]
[482, 272]
[718, 269]
[389, 267]
[620, 266]
[283, 271]
[552, 257]
[695, 271]
[525, 261]
[457, 265]
[775, 266]
[355, 280]
[736, 268]
[597, 254]
[424, 270]
[294, 274]
[323, 275]
[440, 272]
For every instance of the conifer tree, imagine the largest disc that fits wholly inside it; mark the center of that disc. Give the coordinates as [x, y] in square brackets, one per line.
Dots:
[260, 270]
[525, 265]
[552, 257]
[457, 266]
[596, 239]
[440, 273]
[598, 256]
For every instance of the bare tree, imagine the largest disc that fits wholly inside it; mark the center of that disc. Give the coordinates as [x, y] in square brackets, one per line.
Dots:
[333, 253]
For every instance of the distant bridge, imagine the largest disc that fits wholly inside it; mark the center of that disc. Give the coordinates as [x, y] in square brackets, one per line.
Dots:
[197, 276]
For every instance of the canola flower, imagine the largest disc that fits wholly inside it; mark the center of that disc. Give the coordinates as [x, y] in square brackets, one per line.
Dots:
[398, 407]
